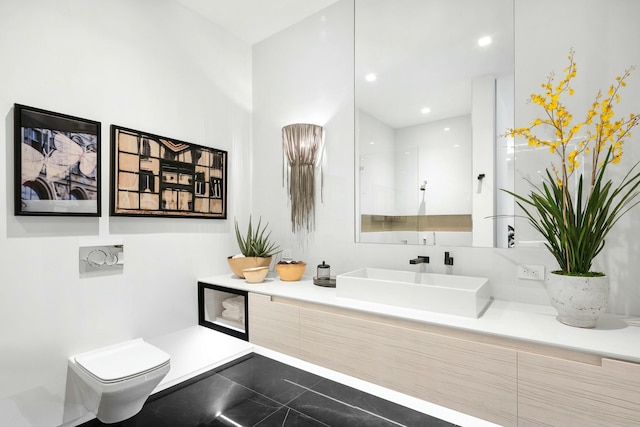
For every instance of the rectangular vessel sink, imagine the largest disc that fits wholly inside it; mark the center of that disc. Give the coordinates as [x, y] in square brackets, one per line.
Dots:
[441, 293]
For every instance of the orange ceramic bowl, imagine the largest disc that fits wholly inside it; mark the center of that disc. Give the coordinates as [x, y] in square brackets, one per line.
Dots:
[291, 272]
[237, 265]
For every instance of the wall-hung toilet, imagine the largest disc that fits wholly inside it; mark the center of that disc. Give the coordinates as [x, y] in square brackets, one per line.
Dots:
[115, 381]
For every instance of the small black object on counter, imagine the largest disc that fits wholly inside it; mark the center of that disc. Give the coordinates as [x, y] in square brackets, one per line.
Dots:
[327, 282]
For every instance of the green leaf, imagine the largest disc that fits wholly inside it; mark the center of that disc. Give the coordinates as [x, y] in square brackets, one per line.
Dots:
[256, 243]
[575, 232]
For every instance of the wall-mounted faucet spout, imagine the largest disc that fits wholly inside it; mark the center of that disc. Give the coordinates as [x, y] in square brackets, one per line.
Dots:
[419, 260]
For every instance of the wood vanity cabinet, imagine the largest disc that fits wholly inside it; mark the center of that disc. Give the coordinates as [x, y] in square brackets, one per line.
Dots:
[560, 392]
[506, 381]
[273, 324]
[472, 378]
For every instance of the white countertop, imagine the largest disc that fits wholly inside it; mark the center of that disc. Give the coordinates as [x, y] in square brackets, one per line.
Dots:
[614, 336]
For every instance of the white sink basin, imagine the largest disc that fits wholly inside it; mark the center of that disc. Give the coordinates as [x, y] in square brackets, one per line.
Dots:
[442, 293]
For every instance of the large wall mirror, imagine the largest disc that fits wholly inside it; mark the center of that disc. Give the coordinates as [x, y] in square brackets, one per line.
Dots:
[434, 91]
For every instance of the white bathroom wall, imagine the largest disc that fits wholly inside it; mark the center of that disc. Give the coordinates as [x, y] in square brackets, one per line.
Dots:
[602, 33]
[146, 64]
[394, 168]
[407, 188]
[504, 166]
[305, 75]
[444, 161]
[313, 63]
[306, 72]
[376, 165]
[483, 118]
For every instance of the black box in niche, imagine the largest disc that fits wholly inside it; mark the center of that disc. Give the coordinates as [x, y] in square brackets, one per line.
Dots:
[224, 309]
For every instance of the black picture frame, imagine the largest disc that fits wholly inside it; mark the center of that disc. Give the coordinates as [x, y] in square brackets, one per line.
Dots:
[240, 331]
[156, 176]
[56, 163]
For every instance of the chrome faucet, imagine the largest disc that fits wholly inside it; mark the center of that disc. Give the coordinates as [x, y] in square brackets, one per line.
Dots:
[448, 260]
[420, 260]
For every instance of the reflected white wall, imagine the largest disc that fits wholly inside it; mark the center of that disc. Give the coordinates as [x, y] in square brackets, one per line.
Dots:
[377, 172]
[444, 161]
[394, 169]
[483, 117]
[504, 166]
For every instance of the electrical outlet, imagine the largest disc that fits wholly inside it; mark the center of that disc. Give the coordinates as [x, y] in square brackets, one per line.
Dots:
[531, 272]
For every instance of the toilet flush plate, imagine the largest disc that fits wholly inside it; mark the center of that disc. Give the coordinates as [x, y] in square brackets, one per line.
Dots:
[100, 260]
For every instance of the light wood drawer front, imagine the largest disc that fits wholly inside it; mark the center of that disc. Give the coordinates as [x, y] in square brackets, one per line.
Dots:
[557, 392]
[274, 325]
[473, 378]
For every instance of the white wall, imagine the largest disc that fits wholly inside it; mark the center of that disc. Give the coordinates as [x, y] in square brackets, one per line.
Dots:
[411, 155]
[146, 64]
[392, 171]
[376, 147]
[406, 173]
[305, 73]
[602, 34]
[313, 64]
[504, 165]
[444, 161]
[483, 117]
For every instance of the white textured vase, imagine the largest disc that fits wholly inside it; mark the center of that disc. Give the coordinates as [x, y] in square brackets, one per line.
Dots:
[579, 300]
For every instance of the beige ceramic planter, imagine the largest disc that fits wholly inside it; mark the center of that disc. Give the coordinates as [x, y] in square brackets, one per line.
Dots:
[578, 300]
[239, 264]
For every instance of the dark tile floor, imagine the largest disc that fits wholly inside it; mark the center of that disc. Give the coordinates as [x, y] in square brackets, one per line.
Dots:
[257, 391]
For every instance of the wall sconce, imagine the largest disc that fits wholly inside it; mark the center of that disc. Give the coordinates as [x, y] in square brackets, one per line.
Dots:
[302, 146]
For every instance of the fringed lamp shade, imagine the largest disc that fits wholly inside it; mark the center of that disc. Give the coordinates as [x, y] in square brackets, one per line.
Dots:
[302, 146]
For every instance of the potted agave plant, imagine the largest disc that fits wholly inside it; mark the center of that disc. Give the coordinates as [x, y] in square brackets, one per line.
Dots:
[574, 217]
[256, 248]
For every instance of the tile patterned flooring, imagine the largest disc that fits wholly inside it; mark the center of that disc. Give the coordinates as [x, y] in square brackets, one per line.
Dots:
[258, 391]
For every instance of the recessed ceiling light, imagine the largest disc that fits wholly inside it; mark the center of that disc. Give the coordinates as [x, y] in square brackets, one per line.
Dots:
[372, 142]
[425, 110]
[456, 145]
[370, 77]
[447, 129]
[484, 41]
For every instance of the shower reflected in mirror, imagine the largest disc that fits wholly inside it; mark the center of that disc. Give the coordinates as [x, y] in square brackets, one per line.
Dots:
[433, 115]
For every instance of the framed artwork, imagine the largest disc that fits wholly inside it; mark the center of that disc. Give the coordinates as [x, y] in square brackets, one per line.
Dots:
[156, 176]
[56, 163]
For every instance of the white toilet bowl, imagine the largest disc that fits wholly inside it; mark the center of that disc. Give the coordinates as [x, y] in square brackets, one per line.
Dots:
[115, 381]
